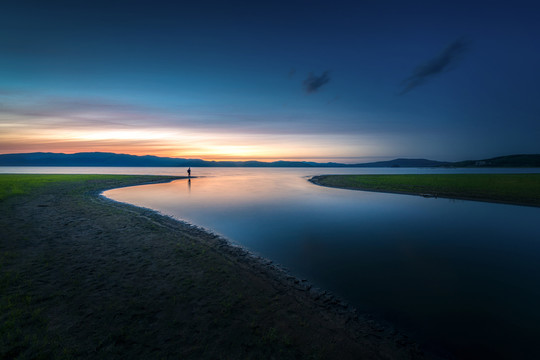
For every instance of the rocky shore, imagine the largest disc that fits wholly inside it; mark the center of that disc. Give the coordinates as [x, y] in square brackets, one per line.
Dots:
[86, 277]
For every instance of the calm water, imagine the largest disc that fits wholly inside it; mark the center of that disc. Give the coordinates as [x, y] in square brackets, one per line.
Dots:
[459, 275]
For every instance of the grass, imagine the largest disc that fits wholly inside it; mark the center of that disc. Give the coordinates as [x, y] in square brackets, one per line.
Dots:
[82, 277]
[24, 329]
[25, 184]
[523, 189]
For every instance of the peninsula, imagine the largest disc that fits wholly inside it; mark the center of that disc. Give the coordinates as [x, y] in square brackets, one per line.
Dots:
[86, 277]
[519, 189]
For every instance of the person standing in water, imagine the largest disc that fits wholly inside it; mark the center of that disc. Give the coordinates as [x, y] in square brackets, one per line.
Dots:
[189, 172]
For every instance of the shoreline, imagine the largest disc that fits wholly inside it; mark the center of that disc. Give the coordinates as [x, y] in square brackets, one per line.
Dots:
[289, 316]
[274, 272]
[315, 180]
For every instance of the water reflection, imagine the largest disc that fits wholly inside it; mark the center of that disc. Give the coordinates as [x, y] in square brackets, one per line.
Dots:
[460, 275]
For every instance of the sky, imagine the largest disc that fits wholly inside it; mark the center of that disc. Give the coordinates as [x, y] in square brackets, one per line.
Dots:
[345, 81]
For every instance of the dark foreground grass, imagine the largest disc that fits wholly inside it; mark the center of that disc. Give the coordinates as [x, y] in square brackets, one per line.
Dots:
[521, 189]
[83, 277]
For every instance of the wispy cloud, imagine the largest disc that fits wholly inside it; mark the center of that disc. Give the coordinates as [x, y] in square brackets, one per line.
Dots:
[440, 63]
[313, 82]
[54, 111]
[36, 122]
[38, 113]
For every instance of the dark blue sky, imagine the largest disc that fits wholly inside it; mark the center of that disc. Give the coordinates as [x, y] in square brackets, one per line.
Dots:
[344, 81]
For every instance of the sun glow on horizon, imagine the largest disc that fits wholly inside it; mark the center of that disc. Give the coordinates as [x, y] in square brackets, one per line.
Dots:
[73, 130]
[174, 142]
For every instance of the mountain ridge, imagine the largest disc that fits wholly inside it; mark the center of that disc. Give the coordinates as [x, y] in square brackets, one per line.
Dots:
[105, 159]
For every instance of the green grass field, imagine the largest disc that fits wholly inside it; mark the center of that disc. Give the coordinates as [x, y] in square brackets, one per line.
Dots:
[511, 188]
[24, 184]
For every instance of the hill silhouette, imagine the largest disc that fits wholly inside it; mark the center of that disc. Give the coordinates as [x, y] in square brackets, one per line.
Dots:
[126, 160]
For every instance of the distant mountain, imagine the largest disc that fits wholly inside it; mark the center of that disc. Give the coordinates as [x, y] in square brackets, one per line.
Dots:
[92, 159]
[532, 160]
[121, 160]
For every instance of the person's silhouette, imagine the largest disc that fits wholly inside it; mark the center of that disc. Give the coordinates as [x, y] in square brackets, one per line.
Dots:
[189, 172]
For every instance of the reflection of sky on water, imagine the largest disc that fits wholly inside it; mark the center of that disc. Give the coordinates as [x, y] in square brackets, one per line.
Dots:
[459, 273]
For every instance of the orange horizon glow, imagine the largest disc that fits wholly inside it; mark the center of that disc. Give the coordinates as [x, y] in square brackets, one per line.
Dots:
[179, 143]
[77, 130]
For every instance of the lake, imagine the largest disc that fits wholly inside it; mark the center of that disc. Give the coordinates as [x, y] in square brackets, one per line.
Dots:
[462, 277]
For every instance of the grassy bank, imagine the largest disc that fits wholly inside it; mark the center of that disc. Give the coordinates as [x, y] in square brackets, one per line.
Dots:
[82, 277]
[24, 184]
[521, 189]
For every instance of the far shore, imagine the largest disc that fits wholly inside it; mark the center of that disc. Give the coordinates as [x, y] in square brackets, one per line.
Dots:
[85, 277]
[513, 189]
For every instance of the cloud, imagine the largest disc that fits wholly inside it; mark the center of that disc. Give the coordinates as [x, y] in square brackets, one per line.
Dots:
[37, 112]
[313, 82]
[442, 62]
[56, 111]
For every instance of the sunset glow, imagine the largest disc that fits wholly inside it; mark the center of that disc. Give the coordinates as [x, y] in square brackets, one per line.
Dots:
[237, 83]
[174, 142]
